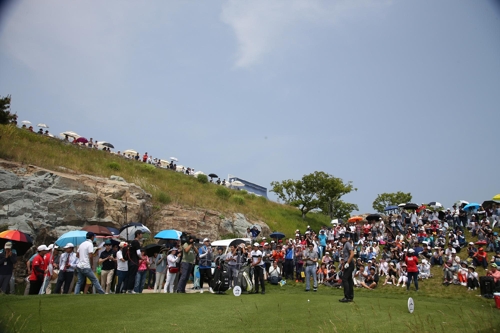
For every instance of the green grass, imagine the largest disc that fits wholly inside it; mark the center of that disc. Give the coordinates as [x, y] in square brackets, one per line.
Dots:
[166, 186]
[282, 309]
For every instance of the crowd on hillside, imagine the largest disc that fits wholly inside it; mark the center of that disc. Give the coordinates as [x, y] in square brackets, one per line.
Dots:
[393, 252]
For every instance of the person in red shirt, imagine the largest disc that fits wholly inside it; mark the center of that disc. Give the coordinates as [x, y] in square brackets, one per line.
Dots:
[278, 256]
[480, 258]
[411, 264]
[145, 157]
[37, 271]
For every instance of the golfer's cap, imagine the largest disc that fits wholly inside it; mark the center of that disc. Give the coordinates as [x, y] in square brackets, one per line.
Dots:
[297, 230]
[472, 267]
[470, 243]
[42, 248]
[206, 240]
[122, 244]
[266, 243]
[69, 245]
[255, 244]
[8, 245]
[343, 236]
[89, 235]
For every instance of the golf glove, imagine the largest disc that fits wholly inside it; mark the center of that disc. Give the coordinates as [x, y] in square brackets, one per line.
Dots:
[346, 266]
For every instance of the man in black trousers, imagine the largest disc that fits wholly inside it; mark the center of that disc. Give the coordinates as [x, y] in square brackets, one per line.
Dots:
[347, 280]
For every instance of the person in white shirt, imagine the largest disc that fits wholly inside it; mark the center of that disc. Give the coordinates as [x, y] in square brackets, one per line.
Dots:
[84, 266]
[121, 269]
[67, 265]
[258, 268]
[172, 260]
[424, 270]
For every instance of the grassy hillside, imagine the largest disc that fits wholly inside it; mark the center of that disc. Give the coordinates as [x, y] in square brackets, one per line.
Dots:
[166, 186]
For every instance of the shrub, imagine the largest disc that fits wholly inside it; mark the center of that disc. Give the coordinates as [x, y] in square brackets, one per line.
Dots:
[238, 199]
[202, 178]
[243, 192]
[251, 196]
[113, 166]
[263, 199]
[148, 168]
[223, 193]
[164, 198]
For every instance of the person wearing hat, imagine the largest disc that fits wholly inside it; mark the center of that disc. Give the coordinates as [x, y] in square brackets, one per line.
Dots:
[67, 265]
[258, 268]
[471, 250]
[472, 278]
[51, 264]
[205, 264]
[187, 263]
[84, 266]
[37, 271]
[495, 273]
[107, 260]
[411, 260]
[347, 269]
[122, 267]
[7, 260]
[172, 261]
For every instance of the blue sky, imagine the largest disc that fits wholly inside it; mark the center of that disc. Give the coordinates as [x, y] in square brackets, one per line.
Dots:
[392, 95]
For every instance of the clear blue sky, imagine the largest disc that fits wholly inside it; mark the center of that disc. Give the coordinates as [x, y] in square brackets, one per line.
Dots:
[392, 95]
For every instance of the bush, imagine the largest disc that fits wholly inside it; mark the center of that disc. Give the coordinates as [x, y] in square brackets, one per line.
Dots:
[148, 168]
[263, 199]
[238, 199]
[164, 198]
[223, 193]
[251, 196]
[243, 192]
[202, 178]
[113, 166]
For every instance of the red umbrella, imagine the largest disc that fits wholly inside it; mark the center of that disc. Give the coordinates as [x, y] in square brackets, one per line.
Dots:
[421, 208]
[98, 230]
[81, 140]
[21, 242]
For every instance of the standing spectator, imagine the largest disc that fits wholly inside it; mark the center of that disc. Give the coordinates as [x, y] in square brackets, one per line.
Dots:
[84, 266]
[258, 269]
[122, 267]
[172, 260]
[187, 263]
[37, 270]
[108, 261]
[311, 258]
[289, 257]
[161, 270]
[347, 280]
[133, 256]
[145, 157]
[136, 157]
[7, 260]
[140, 277]
[152, 271]
[205, 265]
[67, 265]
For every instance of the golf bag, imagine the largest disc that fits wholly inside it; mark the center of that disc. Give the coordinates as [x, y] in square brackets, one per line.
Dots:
[196, 277]
[487, 286]
[244, 279]
[220, 281]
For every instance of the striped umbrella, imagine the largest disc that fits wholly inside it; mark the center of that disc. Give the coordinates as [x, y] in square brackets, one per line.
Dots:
[21, 242]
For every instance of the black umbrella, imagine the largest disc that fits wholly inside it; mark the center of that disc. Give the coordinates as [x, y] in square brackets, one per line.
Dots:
[410, 205]
[107, 144]
[213, 175]
[237, 242]
[278, 235]
[151, 249]
[441, 215]
[488, 203]
[373, 217]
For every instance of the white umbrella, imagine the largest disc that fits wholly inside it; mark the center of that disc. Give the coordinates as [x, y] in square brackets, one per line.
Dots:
[51, 135]
[26, 122]
[129, 232]
[180, 168]
[42, 125]
[174, 159]
[198, 173]
[237, 183]
[69, 133]
[130, 152]
[164, 162]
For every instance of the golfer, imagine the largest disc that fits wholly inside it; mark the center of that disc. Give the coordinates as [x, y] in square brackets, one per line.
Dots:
[347, 280]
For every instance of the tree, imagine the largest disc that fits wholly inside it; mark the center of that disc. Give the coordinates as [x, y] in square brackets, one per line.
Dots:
[390, 199]
[315, 190]
[340, 209]
[5, 116]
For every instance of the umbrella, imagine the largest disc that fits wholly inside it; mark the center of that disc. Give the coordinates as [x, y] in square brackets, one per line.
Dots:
[98, 230]
[391, 208]
[21, 242]
[130, 152]
[236, 183]
[81, 140]
[373, 217]
[278, 235]
[355, 219]
[76, 237]
[151, 249]
[198, 173]
[435, 204]
[213, 175]
[441, 215]
[471, 206]
[496, 197]
[410, 205]
[127, 232]
[115, 232]
[107, 144]
[42, 125]
[461, 203]
[26, 122]
[488, 203]
[421, 208]
[237, 242]
[401, 205]
[70, 134]
[169, 234]
[174, 159]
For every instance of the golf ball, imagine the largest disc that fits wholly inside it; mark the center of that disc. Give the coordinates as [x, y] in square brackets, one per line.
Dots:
[308, 300]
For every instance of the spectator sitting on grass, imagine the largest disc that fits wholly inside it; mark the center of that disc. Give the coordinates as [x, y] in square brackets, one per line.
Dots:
[424, 270]
[495, 273]
[472, 279]
[480, 258]
[371, 280]
[274, 274]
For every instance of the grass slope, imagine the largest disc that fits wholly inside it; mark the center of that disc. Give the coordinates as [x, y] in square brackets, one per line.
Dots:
[166, 186]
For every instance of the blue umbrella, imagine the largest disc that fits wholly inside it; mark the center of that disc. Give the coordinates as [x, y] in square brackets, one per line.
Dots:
[472, 206]
[278, 235]
[169, 234]
[76, 237]
[391, 208]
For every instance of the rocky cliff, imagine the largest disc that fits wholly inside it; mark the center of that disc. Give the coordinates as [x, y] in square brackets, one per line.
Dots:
[47, 203]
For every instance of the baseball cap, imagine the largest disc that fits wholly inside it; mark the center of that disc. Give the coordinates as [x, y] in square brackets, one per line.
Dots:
[494, 265]
[470, 243]
[67, 246]
[8, 245]
[50, 247]
[122, 244]
[206, 240]
[89, 235]
[266, 243]
[411, 251]
[255, 244]
[42, 248]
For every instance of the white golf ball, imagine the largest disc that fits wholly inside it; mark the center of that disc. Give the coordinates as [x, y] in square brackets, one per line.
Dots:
[308, 300]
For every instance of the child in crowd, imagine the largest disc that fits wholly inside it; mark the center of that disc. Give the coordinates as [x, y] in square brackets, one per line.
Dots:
[322, 272]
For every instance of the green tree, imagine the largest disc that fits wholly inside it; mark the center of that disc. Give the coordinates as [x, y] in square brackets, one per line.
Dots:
[390, 199]
[340, 209]
[5, 116]
[315, 190]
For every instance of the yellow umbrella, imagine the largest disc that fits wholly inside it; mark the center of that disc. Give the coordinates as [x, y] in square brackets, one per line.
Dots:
[496, 197]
